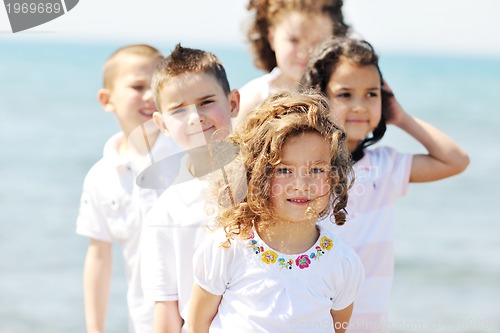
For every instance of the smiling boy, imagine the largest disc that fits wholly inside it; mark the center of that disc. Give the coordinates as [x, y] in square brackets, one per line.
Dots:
[195, 107]
[112, 207]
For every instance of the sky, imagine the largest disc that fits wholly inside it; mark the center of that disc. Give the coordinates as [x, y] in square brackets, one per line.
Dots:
[451, 27]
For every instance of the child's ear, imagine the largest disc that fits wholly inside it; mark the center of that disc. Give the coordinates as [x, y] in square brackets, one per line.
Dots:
[104, 96]
[159, 121]
[234, 102]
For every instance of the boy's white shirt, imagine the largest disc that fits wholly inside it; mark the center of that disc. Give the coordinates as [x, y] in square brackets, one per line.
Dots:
[112, 208]
[178, 220]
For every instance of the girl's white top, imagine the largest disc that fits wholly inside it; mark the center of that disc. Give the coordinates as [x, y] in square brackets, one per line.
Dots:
[267, 291]
[382, 177]
[260, 85]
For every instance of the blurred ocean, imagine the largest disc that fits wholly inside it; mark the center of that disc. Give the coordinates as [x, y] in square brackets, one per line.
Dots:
[52, 130]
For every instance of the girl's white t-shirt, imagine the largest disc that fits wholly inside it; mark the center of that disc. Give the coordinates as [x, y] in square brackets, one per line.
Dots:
[267, 291]
[382, 177]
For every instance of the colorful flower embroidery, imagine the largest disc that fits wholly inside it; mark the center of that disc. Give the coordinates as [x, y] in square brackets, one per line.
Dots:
[319, 252]
[326, 243]
[269, 257]
[285, 264]
[253, 244]
[252, 235]
[302, 261]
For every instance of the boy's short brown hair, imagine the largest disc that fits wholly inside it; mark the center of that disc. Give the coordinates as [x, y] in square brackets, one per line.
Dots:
[111, 64]
[184, 60]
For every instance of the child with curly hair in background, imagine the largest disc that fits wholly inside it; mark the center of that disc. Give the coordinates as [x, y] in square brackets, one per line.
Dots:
[282, 34]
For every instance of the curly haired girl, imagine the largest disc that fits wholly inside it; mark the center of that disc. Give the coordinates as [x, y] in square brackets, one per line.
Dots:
[284, 273]
[282, 33]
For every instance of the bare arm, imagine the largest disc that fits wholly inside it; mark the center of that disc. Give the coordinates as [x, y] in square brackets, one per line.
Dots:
[202, 309]
[96, 284]
[167, 318]
[445, 157]
[341, 318]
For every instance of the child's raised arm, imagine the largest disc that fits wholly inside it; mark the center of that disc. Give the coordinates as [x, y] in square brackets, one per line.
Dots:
[445, 157]
[202, 309]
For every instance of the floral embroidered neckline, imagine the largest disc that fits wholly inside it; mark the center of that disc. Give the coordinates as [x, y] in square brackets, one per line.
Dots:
[302, 261]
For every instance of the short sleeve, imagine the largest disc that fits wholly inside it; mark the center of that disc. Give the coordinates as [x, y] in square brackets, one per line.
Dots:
[353, 276]
[399, 169]
[158, 257]
[91, 220]
[211, 264]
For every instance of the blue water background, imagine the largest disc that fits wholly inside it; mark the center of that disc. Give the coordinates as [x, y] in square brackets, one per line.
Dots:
[52, 130]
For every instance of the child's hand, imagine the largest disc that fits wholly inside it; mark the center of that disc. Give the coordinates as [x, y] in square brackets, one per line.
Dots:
[396, 112]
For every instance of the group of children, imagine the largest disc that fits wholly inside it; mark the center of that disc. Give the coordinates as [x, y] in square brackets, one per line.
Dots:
[292, 234]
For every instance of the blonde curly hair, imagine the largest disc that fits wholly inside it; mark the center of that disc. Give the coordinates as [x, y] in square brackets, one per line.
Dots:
[260, 139]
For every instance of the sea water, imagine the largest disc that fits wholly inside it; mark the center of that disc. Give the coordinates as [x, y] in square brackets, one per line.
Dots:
[52, 130]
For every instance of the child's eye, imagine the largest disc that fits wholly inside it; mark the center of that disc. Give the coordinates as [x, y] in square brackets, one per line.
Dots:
[138, 87]
[176, 111]
[372, 94]
[207, 102]
[317, 170]
[344, 95]
[283, 171]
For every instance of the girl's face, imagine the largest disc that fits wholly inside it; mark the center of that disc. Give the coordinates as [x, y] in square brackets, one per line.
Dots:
[293, 37]
[302, 179]
[355, 94]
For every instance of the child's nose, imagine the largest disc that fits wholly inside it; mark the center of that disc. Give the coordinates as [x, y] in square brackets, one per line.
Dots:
[148, 95]
[358, 105]
[301, 183]
[304, 51]
[195, 117]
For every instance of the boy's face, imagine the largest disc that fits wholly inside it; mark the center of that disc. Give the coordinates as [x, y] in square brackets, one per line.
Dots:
[130, 97]
[195, 110]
